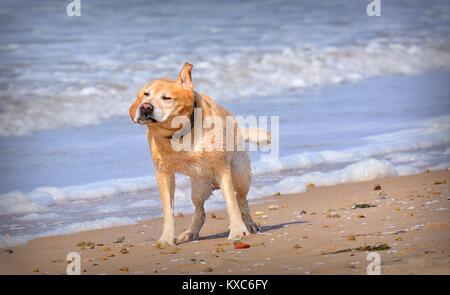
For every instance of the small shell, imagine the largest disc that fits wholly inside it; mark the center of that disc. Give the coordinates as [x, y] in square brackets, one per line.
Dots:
[124, 251]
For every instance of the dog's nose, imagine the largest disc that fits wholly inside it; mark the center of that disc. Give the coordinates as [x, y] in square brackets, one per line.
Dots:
[146, 108]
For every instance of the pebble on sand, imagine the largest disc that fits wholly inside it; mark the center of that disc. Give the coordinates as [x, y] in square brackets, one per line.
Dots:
[124, 269]
[362, 206]
[119, 240]
[125, 250]
[259, 244]
[333, 215]
[310, 186]
[86, 245]
[241, 245]
[172, 251]
[440, 181]
[273, 207]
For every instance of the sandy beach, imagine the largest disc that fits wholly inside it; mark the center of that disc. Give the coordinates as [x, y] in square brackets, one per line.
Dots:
[317, 232]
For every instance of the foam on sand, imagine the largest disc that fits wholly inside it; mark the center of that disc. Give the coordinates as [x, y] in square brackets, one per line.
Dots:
[8, 241]
[395, 145]
[365, 170]
[42, 198]
[397, 153]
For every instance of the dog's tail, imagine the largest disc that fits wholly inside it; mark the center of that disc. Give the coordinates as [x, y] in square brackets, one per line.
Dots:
[256, 136]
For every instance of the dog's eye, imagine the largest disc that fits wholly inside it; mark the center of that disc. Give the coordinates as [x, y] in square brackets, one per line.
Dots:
[166, 98]
[146, 93]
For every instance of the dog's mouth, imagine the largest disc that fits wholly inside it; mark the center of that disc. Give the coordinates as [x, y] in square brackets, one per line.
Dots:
[146, 120]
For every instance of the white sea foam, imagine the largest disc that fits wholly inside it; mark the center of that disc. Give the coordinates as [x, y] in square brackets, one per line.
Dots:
[144, 203]
[364, 170]
[38, 216]
[226, 77]
[8, 241]
[396, 153]
[395, 145]
[42, 198]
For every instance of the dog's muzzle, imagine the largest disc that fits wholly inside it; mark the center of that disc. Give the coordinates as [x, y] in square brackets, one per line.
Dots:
[146, 113]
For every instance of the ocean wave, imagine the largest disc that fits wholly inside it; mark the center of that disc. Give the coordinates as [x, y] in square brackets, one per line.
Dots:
[396, 153]
[364, 170]
[8, 241]
[244, 74]
[424, 135]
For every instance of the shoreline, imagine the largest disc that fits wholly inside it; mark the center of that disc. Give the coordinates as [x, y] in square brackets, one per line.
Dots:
[315, 232]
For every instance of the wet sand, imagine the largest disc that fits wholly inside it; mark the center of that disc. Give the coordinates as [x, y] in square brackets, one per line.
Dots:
[316, 232]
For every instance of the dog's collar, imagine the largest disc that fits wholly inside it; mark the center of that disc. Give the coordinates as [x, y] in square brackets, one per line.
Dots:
[191, 120]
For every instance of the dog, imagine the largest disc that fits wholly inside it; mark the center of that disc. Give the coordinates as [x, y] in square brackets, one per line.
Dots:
[157, 105]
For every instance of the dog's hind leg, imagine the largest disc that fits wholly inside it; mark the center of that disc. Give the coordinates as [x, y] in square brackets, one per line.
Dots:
[241, 183]
[238, 229]
[200, 191]
[241, 192]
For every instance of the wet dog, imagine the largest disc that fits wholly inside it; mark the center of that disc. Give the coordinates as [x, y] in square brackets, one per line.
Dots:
[158, 105]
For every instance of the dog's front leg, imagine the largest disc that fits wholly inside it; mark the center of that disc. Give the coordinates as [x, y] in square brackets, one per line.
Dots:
[166, 184]
[238, 229]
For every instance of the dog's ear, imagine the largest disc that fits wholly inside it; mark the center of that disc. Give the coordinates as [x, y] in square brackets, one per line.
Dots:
[133, 109]
[184, 77]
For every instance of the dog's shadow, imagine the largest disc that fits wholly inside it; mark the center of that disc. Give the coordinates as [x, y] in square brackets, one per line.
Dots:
[264, 229]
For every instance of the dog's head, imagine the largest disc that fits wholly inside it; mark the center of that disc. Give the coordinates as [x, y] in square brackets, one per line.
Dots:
[159, 101]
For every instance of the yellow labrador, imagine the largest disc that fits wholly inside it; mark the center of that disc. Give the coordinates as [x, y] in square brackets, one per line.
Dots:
[157, 105]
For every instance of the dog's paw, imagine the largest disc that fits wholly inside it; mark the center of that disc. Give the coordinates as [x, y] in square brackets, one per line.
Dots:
[254, 228]
[187, 236]
[238, 232]
[164, 243]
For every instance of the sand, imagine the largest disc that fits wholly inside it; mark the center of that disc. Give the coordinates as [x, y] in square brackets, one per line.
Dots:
[301, 236]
